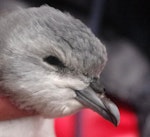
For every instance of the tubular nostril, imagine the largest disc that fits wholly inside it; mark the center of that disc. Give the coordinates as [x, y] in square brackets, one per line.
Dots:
[97, 86]
[95, 79]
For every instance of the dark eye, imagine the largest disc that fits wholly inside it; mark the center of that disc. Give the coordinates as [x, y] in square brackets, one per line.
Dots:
[52, 60]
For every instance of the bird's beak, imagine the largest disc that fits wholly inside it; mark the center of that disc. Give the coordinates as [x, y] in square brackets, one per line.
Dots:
[99, 103]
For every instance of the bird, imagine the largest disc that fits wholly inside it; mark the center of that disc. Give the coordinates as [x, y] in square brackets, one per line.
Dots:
[50, 63]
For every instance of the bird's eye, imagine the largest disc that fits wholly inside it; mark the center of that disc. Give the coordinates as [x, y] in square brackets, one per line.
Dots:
[52, 60]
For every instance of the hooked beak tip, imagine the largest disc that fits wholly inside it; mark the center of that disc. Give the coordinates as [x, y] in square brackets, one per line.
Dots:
[114, 115]
[102, 106]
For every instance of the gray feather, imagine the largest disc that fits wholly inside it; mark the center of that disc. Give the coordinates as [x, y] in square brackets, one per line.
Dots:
[27, 36]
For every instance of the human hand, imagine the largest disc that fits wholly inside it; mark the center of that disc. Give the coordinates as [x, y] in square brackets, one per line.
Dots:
[8, 111]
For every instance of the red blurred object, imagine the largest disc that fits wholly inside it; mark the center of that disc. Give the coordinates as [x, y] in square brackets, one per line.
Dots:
[65, 127]
[95, 126]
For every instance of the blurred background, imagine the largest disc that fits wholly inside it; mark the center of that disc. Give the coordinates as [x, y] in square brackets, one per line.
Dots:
[124, 27]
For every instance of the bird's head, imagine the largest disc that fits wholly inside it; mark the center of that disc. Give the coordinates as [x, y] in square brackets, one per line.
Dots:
[51, 62]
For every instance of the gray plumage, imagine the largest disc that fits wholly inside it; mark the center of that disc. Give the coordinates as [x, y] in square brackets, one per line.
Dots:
[29, 37]
[48, 62]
